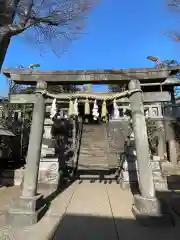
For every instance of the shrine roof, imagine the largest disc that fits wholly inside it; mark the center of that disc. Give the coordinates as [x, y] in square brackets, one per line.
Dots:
[112, 76]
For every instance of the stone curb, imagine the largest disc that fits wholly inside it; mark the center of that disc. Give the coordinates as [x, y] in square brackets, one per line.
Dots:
[53, 231]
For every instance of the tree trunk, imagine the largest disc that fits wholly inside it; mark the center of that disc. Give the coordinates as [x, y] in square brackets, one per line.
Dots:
[7, 13]
[6, 32]
[4, 43]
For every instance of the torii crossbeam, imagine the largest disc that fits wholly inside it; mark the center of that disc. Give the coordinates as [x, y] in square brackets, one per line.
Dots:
[115, 76]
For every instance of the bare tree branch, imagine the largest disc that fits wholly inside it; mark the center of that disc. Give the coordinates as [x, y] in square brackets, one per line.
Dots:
[55, 22]
[174, 6]
[49, 22]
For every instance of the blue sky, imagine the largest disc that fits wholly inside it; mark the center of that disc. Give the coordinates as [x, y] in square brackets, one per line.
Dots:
[119, 34]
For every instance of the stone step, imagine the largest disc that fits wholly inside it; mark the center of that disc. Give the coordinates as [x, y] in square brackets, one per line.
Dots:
[96, 145]
[90, 150]
[93, 154]
[86, 138]
[94, 132]
[89, 147]
[91, 159]
[93, 167]
[97, 148]
[92, 163]
[96, 178]
[99, 164]
[94, 150]
[94, 142]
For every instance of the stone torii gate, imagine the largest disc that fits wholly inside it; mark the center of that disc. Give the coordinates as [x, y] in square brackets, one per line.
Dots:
[31, 205]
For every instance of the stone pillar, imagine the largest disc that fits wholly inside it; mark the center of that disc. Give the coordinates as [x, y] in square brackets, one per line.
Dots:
[150, 112]
[160, 111]
[146, 207]
[161, 146]
[172, 141]
[34, 148]
[172, 151]
[171, 138]
[174, 107]
[141, 141]
[172, 145]
[31, 205]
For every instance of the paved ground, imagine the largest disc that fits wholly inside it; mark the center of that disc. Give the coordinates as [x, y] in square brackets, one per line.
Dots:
[90, 210]
[103, 211]
[7, 194]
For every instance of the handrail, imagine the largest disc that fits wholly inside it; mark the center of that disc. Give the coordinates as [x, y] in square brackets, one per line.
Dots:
[110, 147]
[77, 137]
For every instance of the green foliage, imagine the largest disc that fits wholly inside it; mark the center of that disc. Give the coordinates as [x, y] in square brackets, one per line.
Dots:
[18, 89]
[87, 87]
[167, 63]
[113, 88]
[116, 88]
[63, 88]
[153, 131]
[170, 63]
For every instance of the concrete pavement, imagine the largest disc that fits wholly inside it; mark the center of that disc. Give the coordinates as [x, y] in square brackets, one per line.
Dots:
[103, 211]
[90, 210]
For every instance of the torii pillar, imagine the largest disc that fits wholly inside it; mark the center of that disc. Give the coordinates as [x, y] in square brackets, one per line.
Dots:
[31, 205]
[146, 206]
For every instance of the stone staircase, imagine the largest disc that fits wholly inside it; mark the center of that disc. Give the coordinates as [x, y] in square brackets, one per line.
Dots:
[94, 151]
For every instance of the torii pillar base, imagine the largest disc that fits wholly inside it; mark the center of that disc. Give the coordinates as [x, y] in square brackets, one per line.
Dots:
[26, 211]
[152, 212]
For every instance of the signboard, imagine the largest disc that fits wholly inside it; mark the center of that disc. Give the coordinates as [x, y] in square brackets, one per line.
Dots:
[93, 77]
